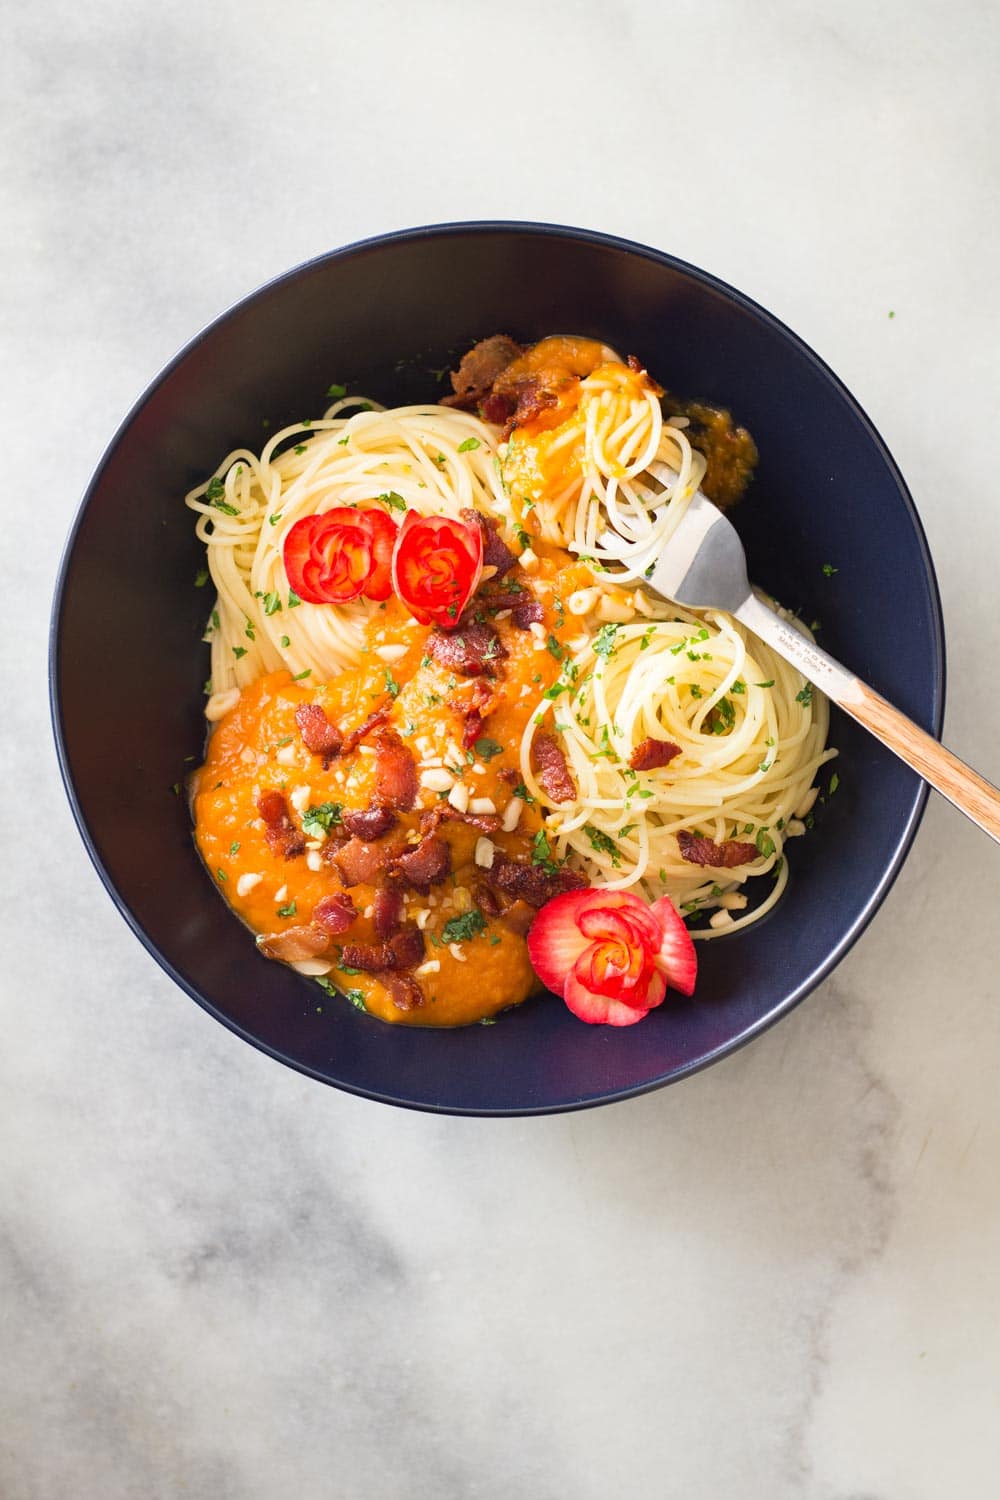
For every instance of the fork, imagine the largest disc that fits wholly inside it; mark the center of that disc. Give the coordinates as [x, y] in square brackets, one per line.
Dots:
[703, 566]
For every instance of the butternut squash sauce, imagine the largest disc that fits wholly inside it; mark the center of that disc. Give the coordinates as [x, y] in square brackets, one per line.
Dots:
[257, 747]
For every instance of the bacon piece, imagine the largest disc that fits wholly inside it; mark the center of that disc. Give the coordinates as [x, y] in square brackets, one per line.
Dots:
[473, 649]
[479, 368]
[531, 883]
[519, 917]
[388, 913]
[520, 401]
[370, 824]
[524, 608]
[496, 554]
[427, 864]
[443, 812]
[283, 838]
[724, 856]
[551, 769]
[527, 611]
[374, 720]
[485, 899]
[653, 753]
[335, 913]
[396, 784]
[404, 991]
[402, 951]
[480, 704]
[358, 863]
[318, 735]
[295, 943]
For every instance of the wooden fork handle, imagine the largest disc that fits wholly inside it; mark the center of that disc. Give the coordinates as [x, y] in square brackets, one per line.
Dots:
[964, 788]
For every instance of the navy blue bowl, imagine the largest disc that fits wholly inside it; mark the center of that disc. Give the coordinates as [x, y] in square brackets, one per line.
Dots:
[385, 315]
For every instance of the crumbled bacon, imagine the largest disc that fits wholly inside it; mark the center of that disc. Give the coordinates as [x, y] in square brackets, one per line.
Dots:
[335, 913]
[443, 812]
[318, 735]
[485, 899]
[479, 368]
[369, 824]
[527, 611]
[283, 838]
[551, 769]
[520, 400]
[426, 864]
[653, 753]
[724, 856]
[480, 703]
[295, 943]
[473, 649]
[519, 917]
[496, 554]
[531, 883]
[374, 720]
[388, 913]
[396, 784]
[358, 863]
[402, 951]
[404, 991]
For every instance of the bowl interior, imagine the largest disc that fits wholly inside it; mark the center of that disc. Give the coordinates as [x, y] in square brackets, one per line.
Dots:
[385, 317]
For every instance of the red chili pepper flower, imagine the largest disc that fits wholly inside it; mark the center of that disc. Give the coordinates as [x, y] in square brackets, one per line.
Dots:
[436, 566]
[610, 955]
[340, 554]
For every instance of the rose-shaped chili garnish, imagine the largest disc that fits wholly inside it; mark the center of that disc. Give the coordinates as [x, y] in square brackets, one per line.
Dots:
[340, 554]
[436, 566]
[610, 955]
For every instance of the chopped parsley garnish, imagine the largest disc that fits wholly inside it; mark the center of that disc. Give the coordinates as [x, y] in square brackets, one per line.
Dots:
[440, 460]
[299, 675]
[249, 631]
[647, 636]
[221, 874]
[201, 578]
[284, 642]
[602, 843]
[805, 697]
[723, 717]
[469, 444]
[300, 447]
[829, 570]
[486, 748]
[239, 651]
[272, 603]
[280, 744]
[208, 689]
[459, 929]
[320, 818]
[604, 641]
[391, 685]
[524, 537]
[834, 783]
[541, 854]
[765, 684]
[293, 599]
[738, 687]
[522, 791]
[336, 391]
[695, 690]
[357, 999]
[274, 519]
[765, 843]
[393, 500]
[234, 847]
[554, 648]
[623, 833]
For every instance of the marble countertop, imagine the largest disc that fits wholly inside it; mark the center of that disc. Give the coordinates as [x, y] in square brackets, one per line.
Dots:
[776, 1281]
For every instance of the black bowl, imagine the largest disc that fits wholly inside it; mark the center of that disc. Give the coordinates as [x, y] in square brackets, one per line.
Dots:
[385, 315]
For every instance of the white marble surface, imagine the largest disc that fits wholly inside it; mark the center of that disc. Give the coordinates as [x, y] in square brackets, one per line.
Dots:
[777, 1281]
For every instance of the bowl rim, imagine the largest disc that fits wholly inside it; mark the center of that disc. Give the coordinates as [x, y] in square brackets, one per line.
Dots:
[473, 228]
